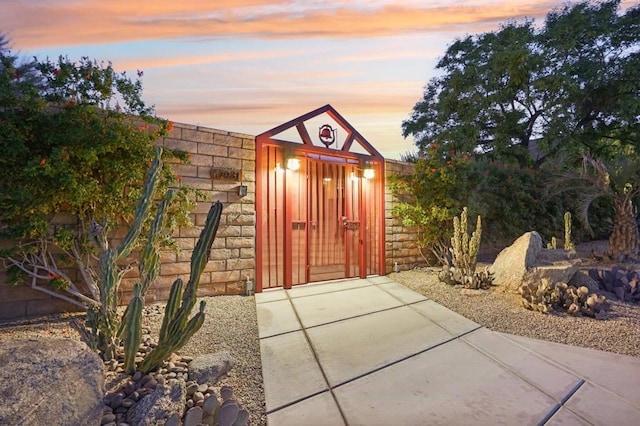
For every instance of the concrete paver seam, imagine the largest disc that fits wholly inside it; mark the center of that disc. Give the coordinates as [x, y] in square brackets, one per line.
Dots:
[581, 381]
[350, 318]
[303, 296]
[522, 377]
[397, 298]
[569, 370]
[561, 404]
[296, 401]
[315, 356]
[452, 332]
[392, 363]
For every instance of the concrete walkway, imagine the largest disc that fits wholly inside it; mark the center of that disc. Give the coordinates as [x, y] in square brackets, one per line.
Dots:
[372, 352]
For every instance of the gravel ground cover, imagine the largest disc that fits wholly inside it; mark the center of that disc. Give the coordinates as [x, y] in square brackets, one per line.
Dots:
[503, 312]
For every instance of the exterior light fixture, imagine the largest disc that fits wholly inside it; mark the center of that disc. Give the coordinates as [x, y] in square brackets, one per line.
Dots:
[368, 173]
[354, 176]
[293, 164]
[242, 190]
[279, 168]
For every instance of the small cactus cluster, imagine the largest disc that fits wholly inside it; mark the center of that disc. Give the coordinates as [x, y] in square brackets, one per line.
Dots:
[461, 269]
[453, 276]
[542, 296]
[568, 243]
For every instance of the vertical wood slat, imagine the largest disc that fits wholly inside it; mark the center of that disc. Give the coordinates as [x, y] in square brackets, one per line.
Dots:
[278, 220]
[270, 219]
[273, 252]
[316, 208]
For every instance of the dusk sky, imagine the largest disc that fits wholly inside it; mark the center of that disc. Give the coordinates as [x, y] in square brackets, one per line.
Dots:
[249, 65]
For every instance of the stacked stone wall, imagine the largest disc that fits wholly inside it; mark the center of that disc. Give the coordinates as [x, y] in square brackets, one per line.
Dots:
[401, 248]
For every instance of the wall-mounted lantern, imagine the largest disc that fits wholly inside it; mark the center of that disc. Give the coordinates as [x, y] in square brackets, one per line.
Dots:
[242, 190]
[368, 173]
[293, 164]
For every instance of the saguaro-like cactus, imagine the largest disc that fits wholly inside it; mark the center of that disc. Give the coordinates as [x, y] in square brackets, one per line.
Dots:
[464, 250]
[176, 328]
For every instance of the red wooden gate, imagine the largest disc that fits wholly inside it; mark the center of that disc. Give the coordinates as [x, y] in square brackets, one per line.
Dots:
[320, 211]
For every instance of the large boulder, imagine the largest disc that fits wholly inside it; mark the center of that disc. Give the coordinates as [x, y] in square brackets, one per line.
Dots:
[50, 381]
[209, 368]
[557, 272]
[527, 261]
[513, 263]
[582, 279]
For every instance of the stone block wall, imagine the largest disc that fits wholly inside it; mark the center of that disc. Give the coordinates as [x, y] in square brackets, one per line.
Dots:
[400, 241]
[233, 253]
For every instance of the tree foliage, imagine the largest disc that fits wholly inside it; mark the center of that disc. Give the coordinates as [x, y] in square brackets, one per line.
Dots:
[77, 139]
[571, 85]
[511, 199]
[519, 103]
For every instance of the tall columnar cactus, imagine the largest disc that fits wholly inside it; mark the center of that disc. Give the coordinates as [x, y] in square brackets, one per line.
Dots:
[133, 334]
[177, 329]
[568, 244]
[102, 321]
[149, 265]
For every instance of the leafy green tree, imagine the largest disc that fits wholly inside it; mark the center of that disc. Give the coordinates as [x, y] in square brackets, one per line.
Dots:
[77, 141]
[570, 85]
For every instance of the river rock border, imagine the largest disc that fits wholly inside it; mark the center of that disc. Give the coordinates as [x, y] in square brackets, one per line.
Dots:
[175, 400]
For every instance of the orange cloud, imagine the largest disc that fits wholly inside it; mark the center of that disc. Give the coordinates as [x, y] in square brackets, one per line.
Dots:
[42, 23]
[147, 63]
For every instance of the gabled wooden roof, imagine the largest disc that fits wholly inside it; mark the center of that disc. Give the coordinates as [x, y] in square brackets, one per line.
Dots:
[353, 136]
